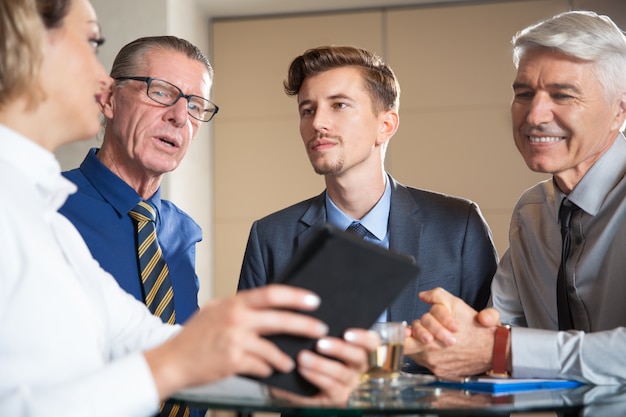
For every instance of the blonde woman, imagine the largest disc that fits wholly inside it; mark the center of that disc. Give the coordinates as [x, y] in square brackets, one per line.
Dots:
[71, 341]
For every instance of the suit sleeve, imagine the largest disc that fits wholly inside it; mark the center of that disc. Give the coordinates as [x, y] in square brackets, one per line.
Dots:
[480, 260]
[253, 272]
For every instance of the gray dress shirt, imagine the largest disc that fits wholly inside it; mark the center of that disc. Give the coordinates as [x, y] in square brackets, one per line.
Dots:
[524, 286]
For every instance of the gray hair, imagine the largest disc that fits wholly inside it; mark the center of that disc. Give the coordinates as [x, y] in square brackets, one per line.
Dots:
[131, 58]
[582, 35]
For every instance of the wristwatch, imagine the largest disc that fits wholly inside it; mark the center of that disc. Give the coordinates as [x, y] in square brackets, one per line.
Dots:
[501, 342]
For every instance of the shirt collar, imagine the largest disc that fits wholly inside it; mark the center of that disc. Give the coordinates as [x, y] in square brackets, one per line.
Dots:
[595, 185]
[38, 165]
[112, 188]
[375, 220]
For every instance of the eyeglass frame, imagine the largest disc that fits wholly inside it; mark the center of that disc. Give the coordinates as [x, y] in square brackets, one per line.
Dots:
[148, 81]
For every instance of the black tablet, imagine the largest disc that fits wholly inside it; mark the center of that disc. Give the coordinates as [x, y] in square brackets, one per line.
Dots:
[356, 281]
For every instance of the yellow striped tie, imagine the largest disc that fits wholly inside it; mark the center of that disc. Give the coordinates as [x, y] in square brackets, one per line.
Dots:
[157, 288]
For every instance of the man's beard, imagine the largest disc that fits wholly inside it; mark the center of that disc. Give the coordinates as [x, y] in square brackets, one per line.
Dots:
[328, 168]
[322, 166]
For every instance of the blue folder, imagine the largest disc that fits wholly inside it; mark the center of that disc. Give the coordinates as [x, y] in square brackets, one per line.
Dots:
[505, 385]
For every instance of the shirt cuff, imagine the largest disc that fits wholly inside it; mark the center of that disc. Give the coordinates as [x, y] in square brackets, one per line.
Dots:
[534, 353]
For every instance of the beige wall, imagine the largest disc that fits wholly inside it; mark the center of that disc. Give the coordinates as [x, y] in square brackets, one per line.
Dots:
[455, 73]
[455, 70]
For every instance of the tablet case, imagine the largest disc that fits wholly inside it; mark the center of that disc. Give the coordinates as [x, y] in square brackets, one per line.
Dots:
[356, 281]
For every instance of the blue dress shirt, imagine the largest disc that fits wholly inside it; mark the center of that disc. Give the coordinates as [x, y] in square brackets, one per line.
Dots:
[99, 210]
[376, 221]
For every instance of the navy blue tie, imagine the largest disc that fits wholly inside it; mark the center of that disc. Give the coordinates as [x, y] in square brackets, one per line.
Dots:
[358, 229]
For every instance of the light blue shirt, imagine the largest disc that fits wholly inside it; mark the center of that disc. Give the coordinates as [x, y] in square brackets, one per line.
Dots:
[376, 221]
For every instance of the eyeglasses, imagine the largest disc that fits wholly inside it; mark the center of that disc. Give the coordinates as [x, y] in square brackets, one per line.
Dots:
[168, 94]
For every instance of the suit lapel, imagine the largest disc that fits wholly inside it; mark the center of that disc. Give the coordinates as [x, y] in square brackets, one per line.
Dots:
[313, 216]
[405, 229]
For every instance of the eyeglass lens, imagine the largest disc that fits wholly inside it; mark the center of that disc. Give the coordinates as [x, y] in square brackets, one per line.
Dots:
[168, 94]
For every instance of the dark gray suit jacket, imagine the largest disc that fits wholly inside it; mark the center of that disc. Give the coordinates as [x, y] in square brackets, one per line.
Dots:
[447, 236]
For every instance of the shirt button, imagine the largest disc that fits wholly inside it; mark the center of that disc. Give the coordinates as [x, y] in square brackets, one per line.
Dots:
[571, 289]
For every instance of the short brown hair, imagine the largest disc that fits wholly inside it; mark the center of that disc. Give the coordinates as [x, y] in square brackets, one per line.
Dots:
[379, 78]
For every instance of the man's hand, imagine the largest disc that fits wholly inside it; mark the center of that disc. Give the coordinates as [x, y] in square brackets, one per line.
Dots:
[453, 340]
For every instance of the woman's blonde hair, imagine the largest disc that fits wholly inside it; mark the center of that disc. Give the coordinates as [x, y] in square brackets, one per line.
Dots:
[21, 37]
[22, 28]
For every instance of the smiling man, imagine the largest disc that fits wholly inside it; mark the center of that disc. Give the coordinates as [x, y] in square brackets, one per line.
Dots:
[561, 283]
[152, 112]
[347, 100]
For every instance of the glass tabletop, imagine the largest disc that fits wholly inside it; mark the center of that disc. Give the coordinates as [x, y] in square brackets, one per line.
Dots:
[415, 394]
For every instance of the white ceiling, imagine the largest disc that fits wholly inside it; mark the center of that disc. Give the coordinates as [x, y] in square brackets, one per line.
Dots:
[249, 8]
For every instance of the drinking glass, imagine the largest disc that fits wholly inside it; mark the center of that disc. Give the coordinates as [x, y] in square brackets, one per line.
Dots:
[385, 363]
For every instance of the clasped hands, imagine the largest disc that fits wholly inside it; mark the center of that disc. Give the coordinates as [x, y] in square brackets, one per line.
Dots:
[452, 340]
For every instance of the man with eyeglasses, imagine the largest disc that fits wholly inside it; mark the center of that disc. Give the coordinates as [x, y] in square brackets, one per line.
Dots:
[152, 111]
[157, 103]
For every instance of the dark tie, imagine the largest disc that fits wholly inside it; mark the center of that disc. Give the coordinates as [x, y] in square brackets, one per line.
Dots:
[157, 288]
[357, 229]
[562, 302]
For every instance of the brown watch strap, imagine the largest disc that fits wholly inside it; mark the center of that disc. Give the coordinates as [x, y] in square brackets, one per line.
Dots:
[501, 342]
